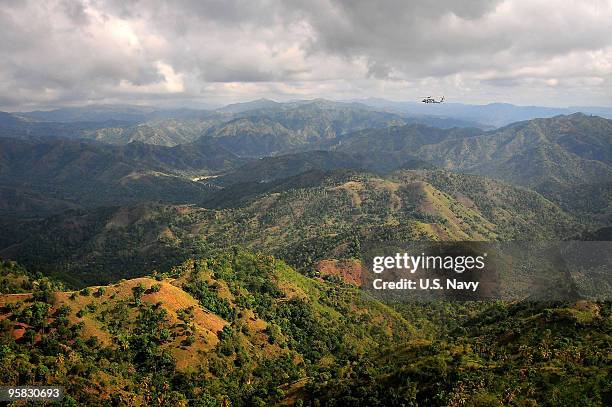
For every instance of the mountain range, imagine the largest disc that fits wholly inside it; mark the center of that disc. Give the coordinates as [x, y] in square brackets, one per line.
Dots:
[317, 118]
[492, 114]
[561, 157]
[217, 257]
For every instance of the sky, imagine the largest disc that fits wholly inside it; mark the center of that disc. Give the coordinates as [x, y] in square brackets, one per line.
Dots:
[204, 52]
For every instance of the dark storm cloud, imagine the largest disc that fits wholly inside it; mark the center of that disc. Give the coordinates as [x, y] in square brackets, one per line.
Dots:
[70, 51]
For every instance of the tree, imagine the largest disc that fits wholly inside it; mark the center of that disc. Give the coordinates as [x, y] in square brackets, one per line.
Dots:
[154, 288]
[138, 291]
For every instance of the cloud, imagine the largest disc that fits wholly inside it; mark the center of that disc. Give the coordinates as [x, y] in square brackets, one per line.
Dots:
[104, 51]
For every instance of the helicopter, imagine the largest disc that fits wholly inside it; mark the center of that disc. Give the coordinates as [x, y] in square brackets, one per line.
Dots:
[429, 99]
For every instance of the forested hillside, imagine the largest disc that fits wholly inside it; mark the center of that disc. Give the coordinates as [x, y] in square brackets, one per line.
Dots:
[238, 327]
[70, 173]
[206, 258]
[302, 219]
[246, 329]
[564, 149]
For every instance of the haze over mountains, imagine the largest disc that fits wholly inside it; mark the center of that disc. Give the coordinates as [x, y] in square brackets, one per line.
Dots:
[317, 118]
[492, 114]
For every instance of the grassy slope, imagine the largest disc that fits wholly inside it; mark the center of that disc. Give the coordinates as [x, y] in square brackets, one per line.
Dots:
[235, 309]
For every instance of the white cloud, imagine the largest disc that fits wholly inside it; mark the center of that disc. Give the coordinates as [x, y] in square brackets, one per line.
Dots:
[522, 51]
